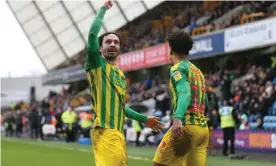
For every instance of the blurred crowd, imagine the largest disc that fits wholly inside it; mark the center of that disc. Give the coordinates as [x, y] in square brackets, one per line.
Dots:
[194, 17]
[260, 10]
[23, 119]
[154, 27]
[251, 93]
[250, 90]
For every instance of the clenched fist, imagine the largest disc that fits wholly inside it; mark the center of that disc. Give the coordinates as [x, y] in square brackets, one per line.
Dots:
[108, 4]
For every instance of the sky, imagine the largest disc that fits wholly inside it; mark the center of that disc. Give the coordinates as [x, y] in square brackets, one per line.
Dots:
[17, 56]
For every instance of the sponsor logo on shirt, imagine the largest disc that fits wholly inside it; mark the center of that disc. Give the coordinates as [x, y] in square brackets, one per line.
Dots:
[177, 75]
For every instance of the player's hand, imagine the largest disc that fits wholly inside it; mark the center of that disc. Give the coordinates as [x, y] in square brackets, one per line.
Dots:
[177, 128]
[108, 4]
[154, 123]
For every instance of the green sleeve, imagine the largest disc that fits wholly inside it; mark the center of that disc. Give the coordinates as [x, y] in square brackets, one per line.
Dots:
[183, 92]
[93, 57]
[131, 114]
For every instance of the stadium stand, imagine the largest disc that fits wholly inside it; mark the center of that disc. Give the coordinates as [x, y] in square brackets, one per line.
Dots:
[197, 18]
[160, 27]
[250, 88]
[252, 98]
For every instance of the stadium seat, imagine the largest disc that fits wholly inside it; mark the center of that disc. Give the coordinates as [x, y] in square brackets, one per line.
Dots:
[269, 119]
[266, 119]
[269, 126]
[253, 125]
[253, 118]
[273, 119]
[273, 126]
[266, 126]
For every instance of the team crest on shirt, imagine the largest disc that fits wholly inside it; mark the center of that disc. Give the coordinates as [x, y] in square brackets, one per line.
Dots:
[119, 81]
[162, 147]
[177, 75]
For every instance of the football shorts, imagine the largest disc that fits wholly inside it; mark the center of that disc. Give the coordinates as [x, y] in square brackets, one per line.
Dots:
[109, 147]
[189, 150]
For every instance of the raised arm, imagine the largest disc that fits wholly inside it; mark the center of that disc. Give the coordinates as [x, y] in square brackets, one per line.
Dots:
[93, 56]
[95, 28]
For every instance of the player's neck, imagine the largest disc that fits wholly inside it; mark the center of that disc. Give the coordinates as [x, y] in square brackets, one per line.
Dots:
[112, 62]
[180, 59]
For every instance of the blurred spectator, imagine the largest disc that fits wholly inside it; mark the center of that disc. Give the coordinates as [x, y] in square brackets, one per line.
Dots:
[19, 123]
[86, 124]
[163, 105]
[244, 122]
[69, 118]
[34, 120]
[10, 124]
[272, 109]
[214, 119]
[227, 116]
[148, 83]
[225, 86]
[59, 129]
[138, 127]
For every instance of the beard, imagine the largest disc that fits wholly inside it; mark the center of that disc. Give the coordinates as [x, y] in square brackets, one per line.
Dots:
[111, 54]
[111, 57]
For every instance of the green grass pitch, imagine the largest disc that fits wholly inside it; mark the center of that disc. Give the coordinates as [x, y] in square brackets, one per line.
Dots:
[16, 152]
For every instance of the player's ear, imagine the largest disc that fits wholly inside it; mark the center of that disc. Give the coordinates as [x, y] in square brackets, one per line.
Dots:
[100, 49]
[172, 53]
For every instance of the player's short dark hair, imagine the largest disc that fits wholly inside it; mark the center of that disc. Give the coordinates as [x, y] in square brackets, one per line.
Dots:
[100, 39]
[180, 42]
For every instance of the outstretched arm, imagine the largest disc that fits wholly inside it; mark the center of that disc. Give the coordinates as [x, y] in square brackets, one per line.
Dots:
[130, 113]
[151, 121]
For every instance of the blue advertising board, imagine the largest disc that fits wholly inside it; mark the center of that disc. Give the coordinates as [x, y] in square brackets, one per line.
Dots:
[207, 45]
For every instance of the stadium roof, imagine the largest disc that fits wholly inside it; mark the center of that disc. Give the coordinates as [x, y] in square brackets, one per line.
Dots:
[58, 30]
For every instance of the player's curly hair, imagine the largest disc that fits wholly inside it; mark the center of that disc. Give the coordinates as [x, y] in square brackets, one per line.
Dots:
[180, 42]
[100, 39]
